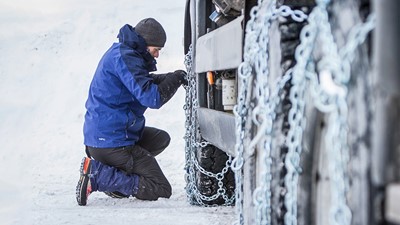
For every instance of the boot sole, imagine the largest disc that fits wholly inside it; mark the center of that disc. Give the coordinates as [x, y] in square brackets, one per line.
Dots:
[81, 187]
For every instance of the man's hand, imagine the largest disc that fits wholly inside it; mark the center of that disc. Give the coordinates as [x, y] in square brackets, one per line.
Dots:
[181, 75]
[172, 81]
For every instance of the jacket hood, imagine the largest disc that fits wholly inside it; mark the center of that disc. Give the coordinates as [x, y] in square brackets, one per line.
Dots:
[129, 37]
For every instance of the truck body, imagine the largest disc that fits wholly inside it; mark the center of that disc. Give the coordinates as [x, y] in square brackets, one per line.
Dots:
[298, 101]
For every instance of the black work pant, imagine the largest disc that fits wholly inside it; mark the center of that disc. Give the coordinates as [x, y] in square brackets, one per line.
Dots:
[139, 159]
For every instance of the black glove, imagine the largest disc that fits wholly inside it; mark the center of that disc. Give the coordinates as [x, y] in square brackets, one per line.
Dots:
[172, 81]
[181, 75]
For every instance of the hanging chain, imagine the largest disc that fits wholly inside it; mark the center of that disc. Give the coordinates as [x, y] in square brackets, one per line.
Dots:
[336, 66]
[260, 110]
[262, 115]
[194, 144]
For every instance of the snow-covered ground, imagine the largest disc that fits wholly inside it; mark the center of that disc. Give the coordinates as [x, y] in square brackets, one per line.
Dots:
[48, 53]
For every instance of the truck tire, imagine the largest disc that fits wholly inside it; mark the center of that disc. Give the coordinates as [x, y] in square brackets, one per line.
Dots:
[214, 160]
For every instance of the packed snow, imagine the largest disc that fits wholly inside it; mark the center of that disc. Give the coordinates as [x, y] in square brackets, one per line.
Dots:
[49, 51]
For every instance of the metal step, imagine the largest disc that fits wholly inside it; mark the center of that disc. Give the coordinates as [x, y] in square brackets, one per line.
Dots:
[218, 128]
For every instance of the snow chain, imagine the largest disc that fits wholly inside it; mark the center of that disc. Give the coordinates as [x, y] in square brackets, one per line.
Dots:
[258, 103]
[194, 142]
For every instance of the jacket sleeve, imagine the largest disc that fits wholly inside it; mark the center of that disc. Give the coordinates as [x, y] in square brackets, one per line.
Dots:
[158, 78]
[137, 80]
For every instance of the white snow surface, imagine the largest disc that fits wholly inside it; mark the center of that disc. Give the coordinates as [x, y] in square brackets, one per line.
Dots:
[49, 52]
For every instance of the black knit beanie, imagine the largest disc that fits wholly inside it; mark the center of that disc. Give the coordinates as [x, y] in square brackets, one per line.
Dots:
[152, 32]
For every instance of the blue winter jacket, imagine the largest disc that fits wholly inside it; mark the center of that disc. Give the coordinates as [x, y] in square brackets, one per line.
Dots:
[120, 93]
